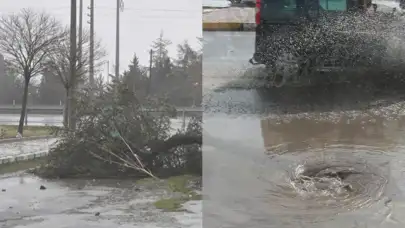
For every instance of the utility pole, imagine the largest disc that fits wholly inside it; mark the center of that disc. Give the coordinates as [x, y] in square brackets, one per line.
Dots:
[150, 71]
[120, 7]
[73, 47]
[108, 71]
[80, 31]
[91, 67]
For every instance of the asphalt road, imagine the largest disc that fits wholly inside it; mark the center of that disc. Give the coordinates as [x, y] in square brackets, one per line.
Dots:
[56, 120]
[226, 56]
[256, 139]
[33, 119]
[87, 203]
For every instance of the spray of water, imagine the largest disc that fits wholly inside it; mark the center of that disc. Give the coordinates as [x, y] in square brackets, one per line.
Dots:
[359, 43]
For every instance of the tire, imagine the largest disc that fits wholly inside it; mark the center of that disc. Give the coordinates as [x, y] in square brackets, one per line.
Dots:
[275, 78]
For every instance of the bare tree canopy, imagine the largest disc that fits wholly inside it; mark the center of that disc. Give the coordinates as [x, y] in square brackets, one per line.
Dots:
[26, 38]
[58, 62]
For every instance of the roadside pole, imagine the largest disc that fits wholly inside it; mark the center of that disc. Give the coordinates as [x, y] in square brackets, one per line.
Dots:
[73, 47]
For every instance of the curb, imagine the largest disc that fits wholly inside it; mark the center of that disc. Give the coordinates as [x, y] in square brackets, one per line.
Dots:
[23, 157]
[228, 26]
[12, 140]
[235, 5]
[215, 7]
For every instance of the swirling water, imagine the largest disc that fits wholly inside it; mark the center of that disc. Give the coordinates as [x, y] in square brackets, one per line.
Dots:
[305, 163]
[332, 180]
[317, 180]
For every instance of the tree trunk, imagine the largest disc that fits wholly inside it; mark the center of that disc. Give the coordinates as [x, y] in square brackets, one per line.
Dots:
[66, 109]
[158, 146]
[24, 107]
[71, 110]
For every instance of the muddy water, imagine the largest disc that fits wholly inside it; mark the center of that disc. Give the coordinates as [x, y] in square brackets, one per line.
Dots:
[331, 156]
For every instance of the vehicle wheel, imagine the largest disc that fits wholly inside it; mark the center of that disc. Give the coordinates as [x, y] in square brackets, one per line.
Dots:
[306, 70]
[275, 76]
[278, 80]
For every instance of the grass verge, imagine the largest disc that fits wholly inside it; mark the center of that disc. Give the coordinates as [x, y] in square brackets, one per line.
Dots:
[170, 205]
[10, 131]
[20, 166]
[181, 186]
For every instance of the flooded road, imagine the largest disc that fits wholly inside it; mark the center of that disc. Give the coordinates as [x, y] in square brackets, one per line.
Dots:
[321, 156]
[260, 172]
[87, 203]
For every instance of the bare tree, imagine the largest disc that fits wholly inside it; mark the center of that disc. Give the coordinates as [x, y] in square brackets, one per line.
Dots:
[59, 63]
[25, 40]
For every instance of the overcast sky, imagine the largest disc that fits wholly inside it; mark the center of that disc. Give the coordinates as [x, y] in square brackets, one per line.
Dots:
[141, 23]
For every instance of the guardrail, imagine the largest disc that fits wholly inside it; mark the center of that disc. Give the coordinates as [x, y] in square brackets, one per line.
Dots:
[36, 109]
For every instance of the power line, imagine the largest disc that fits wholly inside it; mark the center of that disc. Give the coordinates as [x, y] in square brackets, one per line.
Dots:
[80, 31]
[155, 17]
[120, 7]
[155, 10]
[183, 15]
[183, 19]
[130, 9]
[91, 57]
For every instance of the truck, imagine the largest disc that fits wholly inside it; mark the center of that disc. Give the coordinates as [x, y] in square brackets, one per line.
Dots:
[301, 42]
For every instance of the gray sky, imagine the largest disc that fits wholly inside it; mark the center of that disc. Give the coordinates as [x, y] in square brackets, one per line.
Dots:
[141, 23]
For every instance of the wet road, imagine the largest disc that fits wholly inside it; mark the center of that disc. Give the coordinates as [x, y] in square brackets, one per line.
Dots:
[75, 203]
[33, 119]
[321, 156]
[226, 56]
[56, 120]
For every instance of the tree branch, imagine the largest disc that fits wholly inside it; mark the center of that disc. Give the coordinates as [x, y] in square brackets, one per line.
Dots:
[175, 141]
[26, 38]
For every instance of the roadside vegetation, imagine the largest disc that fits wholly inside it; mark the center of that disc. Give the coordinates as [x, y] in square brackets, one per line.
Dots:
[10, 131]
[183, 188]
[117, 137]
[108, 128]
[21, 166]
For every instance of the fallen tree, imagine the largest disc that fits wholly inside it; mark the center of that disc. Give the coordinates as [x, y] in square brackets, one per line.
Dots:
[117, 137]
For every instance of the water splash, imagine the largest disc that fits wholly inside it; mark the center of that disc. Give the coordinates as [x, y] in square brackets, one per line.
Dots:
[355, 43]
[331, 181]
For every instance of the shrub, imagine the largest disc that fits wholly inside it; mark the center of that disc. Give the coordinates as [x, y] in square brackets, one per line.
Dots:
[116, 135]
